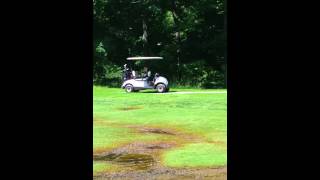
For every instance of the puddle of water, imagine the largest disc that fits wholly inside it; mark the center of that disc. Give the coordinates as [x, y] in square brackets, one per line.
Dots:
[108, 157]
[136, 161]
[133, 161]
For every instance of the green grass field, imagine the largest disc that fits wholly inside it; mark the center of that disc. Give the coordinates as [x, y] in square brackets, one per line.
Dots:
[201, 116]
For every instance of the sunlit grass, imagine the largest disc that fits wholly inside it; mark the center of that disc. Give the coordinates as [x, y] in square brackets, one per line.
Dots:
[203, 115]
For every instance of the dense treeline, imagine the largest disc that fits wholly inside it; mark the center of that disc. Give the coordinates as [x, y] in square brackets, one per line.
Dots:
[189, 34]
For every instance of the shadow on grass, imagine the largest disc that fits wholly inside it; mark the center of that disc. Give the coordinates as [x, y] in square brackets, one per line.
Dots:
[155, 91]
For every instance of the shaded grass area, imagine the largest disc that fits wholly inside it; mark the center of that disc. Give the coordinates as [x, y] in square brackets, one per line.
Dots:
[204, 115]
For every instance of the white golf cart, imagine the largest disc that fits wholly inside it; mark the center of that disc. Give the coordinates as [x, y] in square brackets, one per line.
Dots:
[134, 83]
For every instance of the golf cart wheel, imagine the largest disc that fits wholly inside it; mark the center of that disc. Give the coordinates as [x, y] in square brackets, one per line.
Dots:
[161, 88]
[129, 88]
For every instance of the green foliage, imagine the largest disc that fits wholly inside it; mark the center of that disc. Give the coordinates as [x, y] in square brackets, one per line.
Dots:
[100, 49]
[168, 21]
[110, 77]
[105, 72]
[213, 79]
[198, 74]
[182, 31]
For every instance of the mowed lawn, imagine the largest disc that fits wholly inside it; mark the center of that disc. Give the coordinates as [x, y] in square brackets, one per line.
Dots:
[203, 116]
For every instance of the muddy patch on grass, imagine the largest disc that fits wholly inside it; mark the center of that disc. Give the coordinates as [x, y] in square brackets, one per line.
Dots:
[181, 136]
[129, 108]
[163, 173]
[136, 148]
[156, 131]
[129, 161]
[145, 166]
[142, 160]
[134, 156]
[136, 161]
[156, 147]
[108, 157]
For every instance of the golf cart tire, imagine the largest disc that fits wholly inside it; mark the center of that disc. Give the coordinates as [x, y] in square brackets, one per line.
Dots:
[161, 88]
[129, 88]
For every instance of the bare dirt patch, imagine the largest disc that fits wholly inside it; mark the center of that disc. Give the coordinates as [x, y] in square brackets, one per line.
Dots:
[156, 131]
[141, 160]
[219, 173]
[108, 157]
[135, 148]
[156, 147]
[165, 131]
[130, 108]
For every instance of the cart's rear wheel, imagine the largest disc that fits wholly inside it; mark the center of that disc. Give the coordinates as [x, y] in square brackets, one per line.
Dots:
[161, 88]
[129, 88]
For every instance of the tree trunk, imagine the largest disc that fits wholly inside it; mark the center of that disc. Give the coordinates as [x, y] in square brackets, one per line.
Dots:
[146, 51]
[178, 56]
[178, 38]
[224, 69]
[225, 76]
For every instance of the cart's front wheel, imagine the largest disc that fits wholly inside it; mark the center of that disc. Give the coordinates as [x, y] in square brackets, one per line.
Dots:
[161, 88]
[129, 88]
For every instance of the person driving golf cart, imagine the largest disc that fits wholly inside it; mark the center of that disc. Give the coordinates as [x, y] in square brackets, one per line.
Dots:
[147, 74]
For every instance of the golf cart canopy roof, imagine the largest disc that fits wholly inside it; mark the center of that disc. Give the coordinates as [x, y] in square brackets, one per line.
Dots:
[143, 58]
